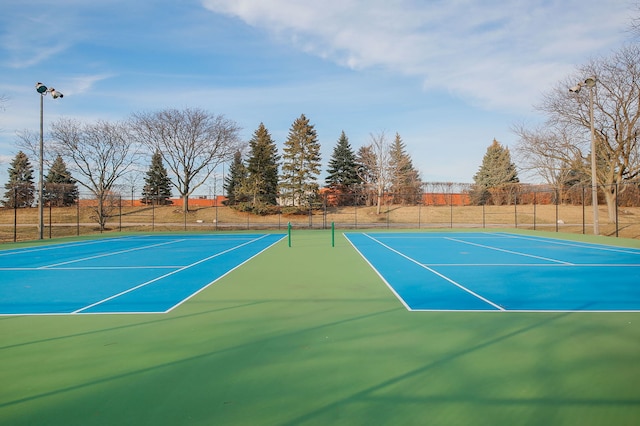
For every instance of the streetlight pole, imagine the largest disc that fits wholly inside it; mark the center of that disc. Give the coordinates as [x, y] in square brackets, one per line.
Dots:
[43, 90]
[590, 82]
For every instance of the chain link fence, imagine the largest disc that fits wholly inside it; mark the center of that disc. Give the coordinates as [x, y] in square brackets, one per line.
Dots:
[441, 205]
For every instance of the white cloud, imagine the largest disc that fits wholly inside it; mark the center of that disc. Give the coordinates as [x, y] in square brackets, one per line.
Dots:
[85, 83]
[500, 54]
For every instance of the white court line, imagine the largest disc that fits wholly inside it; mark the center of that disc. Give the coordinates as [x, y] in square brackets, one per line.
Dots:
[384, 280]
[540, 265]
[59, 246]
[109, 254]
[484, 299]
[510, 251]
[165, 276]
[594, 246]
[93, 268]
[223, 275]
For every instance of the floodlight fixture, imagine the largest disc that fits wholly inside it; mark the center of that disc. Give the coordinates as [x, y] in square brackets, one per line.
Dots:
[576, 88]
[41, 88]
[55, 94]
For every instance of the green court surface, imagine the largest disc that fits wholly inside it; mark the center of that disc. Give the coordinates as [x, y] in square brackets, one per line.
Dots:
[310, 335]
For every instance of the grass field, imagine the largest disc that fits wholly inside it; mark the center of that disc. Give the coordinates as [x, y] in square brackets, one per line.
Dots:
[310, 335]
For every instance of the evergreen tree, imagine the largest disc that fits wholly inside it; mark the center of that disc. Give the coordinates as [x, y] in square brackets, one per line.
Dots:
[262, 168]
[60, 188]
[20, 188]
[157, 185]
[235, 181]
[342, 174]
[301, 163]
[366, 164]
[496, 174]
[405, 179]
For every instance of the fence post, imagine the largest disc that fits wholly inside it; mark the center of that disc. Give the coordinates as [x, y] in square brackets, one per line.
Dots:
[355, 216]
[557, 201]
[617, 209]
[216, 204]
[515, 209]
[583, 213]
[535, 203]
[450, 210]
[15, 214]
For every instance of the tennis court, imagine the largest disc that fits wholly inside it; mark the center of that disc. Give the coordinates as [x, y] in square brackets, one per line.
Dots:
[254, 331]
[502, 272]
[137, 274]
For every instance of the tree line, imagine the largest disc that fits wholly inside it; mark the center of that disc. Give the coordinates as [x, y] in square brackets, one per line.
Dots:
[185, 148]
[255, 185]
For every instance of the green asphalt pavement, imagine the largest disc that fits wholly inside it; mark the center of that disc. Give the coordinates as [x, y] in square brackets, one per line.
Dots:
[310, 335]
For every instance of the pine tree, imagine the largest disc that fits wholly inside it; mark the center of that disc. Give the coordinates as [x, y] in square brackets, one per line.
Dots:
[496, 174]
[235, 181]
[157, 185]
[342, 174]
[366, 163]
[60, 188]
[301, 164]
[20, 188]
[262, 168]
[405, 179]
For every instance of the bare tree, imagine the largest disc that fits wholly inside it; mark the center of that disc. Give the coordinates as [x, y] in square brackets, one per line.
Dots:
[380, 149]
[616, 101]
[552, 153]
[192, 143]
[98, 154]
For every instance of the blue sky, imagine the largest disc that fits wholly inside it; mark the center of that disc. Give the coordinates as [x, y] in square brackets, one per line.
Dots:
[448, 75]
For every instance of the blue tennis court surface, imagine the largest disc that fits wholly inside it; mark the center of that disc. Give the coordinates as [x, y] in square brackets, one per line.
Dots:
[502, 272]
[139, 274]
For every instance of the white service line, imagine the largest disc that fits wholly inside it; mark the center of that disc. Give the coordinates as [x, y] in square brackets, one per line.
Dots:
[433, 271]
[58, 246]
[109, 254]
[165, 276]
[585, 245]
[510, 251]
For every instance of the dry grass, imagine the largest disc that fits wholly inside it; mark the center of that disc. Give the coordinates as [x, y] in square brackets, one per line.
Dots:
[72, 221]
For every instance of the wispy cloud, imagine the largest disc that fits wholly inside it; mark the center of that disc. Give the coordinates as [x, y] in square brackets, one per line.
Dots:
[31, 38]
[85, 83]
[492, 52]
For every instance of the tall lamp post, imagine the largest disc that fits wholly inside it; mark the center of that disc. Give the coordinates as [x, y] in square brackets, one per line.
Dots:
[590, 82]
[43, 90]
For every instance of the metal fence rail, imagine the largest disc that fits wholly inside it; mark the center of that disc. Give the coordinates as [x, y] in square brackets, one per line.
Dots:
[518, 206]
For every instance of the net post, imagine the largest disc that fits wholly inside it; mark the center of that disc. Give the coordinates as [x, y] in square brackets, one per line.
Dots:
[289, 232]
[333, 234]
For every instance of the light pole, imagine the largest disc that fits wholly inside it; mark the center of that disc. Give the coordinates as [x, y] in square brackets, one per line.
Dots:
[590, 82]
[43, 90]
